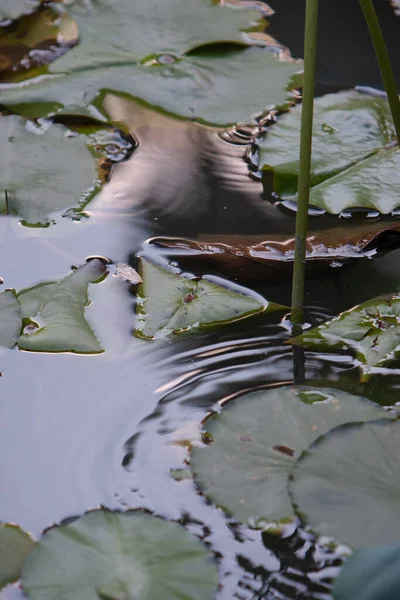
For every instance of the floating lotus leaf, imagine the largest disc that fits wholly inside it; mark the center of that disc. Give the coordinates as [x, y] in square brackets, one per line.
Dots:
[14, 546]
[10, 319]
[355, 159]
[161, 58]
[57, 311]
[117, 556]
[371, 330]
[370, 574]
[253, 444]
[43, 170]
[171, 303]
[347, 484]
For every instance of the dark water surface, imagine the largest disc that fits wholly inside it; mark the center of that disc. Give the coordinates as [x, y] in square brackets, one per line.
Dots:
[77, 432]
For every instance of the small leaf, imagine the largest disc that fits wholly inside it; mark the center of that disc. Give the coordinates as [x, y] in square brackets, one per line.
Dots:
[347, 484]
[371, 330]
[355, 160]
[370, 574]
[10, 319]
[256, 441]
[117, 556]
[59, 310]
[14, 546]
[171, 303]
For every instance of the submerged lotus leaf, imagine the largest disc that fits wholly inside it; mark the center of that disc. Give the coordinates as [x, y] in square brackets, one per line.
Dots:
[117, 556]
[171, 303]
[370, 574]
[347, 484]
[355, 161]
[14, 546]
[10, 319]
[161, 58]
[371, 330]
[57, 311]
[43, 170]
[253, 445]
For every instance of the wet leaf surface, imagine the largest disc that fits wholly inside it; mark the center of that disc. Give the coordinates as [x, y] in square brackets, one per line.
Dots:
[10, 319]
[37, 161]
[347, 485]
[161, 57]
[169, 302]
[355, 162]
[58, 309]
[371, 330]
[14, 546]
[118, 556]
[255, 442]
[370, 574]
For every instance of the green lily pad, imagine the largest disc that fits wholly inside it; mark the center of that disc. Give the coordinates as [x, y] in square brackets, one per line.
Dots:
[253, 445]
[117, 556]
[355, 162]
[161, 59]
[347, 484]
[10, 319]
[57, 315]
[171, 303]
[43, 170]
[14, 546]
[371, 330]
[370, 574]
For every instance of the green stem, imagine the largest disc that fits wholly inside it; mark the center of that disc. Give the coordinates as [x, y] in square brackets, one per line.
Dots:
[310, 49]
[384, 62]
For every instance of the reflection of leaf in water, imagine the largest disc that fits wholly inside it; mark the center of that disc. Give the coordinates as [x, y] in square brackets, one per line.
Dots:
[14, 546]
[45, 168]
[161, 58]
[370, 574]
[347, 484]
[119, 556]
[34, 40]
[354, 160]
[371, 330]
[59, 310]
[256, 440]
[171, 303]
[10, 319]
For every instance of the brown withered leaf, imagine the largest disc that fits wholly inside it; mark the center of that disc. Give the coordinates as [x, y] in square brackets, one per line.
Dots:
[251, 257]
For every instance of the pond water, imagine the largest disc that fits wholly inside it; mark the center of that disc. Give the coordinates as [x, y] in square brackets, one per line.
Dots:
[78, 432]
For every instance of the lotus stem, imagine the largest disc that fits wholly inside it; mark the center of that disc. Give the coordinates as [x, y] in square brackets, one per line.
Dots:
[310, 50]
[382, 55]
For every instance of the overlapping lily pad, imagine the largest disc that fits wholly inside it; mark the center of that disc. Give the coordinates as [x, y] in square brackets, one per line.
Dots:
[371, 330]
[347, 485]
[118, 556]
[43, 169]
[161, 57]
[355, 159]
[370, 574]
[253, 445]
[14, 546]
[56, 311]
[10, 319]
[171, 303]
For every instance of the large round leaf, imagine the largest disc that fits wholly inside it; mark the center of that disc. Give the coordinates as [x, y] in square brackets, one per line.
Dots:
[14, 546]
[42, 170]
[160, 58]
[10, 319]
[347, 485]
[256, 440]
[171, 303]
[354, 161]
[117, 556]
[370, 574]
